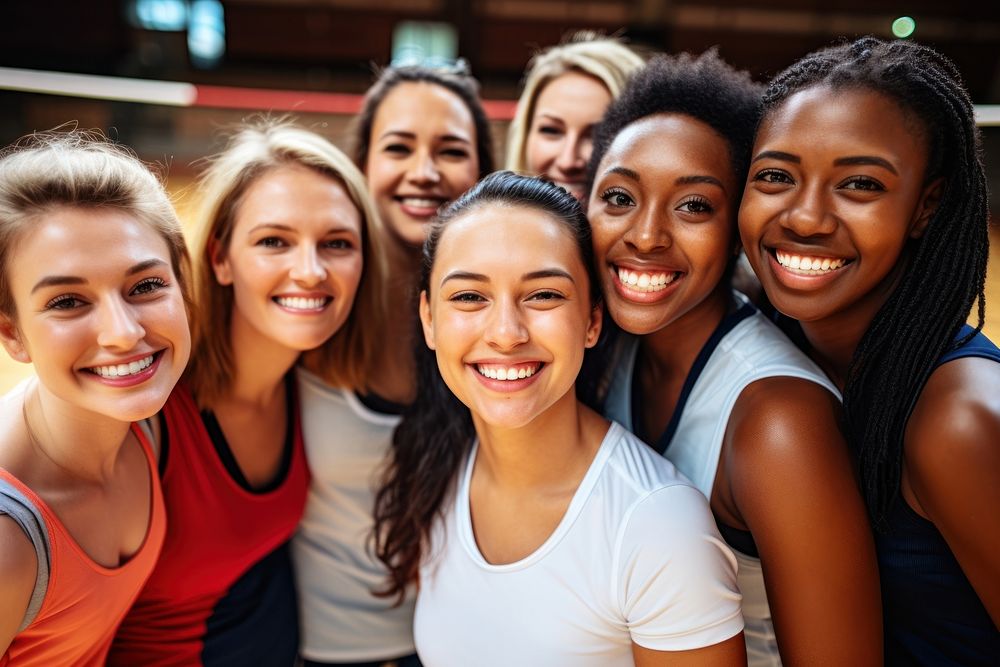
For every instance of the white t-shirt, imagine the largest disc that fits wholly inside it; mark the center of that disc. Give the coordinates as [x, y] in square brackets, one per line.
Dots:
[346, 446]
[636, 557]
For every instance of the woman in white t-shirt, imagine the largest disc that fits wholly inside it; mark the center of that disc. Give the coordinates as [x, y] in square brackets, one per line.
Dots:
[537, 533]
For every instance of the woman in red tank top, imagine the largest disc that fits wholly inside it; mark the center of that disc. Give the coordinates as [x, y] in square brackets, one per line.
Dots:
[81, 512]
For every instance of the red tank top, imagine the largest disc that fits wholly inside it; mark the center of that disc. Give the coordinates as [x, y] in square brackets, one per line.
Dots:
[84, 601]
[217, 531]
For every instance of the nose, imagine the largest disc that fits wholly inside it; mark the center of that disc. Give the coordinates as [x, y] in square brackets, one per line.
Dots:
[571, 156]
[649, 231]
[308, 268]
[809, 215]
[506, 329]
[119, 326]
[423, 169]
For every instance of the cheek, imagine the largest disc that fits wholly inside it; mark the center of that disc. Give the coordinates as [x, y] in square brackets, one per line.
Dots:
[381, 177]
[460, 177]
[539, 153]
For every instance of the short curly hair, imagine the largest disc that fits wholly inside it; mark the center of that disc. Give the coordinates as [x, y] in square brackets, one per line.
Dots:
[704, 87]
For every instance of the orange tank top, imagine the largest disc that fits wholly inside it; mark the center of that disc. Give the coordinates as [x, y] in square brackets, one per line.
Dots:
[84, 601]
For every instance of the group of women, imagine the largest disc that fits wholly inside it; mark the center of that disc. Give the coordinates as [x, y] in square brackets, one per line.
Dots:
[402, 404]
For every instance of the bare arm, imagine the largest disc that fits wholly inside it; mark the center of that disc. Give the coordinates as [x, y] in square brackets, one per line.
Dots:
[790, 480]
[18, 569]
[952, 468]
[729, 653]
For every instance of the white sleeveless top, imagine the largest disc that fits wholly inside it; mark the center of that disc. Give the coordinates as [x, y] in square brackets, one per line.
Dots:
[745, 347]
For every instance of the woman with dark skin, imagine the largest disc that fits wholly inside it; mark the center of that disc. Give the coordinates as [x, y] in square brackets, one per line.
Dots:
[709, 382]
[865, 217]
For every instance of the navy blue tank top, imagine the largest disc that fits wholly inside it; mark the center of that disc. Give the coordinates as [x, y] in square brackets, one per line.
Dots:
[932, 614]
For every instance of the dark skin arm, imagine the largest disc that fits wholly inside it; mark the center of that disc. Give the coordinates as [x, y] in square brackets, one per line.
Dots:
[786, 476]
[18, 569]
[731, 652]
[951, 469]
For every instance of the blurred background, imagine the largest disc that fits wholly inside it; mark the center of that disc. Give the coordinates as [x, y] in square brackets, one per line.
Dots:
[165, 76]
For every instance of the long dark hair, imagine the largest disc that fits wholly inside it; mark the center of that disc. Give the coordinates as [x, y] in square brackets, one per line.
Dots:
[436, 433]
[947, 269]
[457, 80]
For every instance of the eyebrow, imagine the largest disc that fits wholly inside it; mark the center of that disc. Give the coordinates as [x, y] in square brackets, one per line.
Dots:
[412, 135]
[683, 180]
[52, 281]
[287, 228]
[866, 159]
[482, 278]
[777, 155]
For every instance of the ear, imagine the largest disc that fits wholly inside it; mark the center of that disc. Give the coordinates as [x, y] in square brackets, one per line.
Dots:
[220, 262]
[929, 200]
[11, 339]
[594, 326]
[425, 320]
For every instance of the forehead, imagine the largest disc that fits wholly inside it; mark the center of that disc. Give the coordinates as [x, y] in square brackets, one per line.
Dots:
[845, 120]
[671, 142]
[293, 194]
[84, 242]
[498, 237]
[575, 91]
[421, 106]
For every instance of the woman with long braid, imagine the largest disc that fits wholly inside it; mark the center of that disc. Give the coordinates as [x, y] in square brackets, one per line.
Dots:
[865, 217]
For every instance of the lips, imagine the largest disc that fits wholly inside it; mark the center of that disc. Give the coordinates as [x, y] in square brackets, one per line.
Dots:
[420, 206]
[644, 284]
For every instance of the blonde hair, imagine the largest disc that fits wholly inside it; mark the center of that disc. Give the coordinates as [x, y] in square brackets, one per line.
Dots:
[45, 171]
[606, 59]
[254, 149]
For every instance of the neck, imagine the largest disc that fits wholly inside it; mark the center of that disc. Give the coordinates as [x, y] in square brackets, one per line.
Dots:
[81, 444]
[259, 365]
[673, 349]
[395, 376]
[554, 448]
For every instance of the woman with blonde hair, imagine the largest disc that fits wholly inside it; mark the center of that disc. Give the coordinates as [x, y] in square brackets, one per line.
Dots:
[92, 294]
[282, 246]
[566, 90]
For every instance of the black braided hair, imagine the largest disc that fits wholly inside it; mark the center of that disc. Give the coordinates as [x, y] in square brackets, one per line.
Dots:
[947, 269]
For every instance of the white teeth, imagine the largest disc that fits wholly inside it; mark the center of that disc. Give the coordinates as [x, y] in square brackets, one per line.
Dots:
[420, 202]
[505, 372]
[300, 303]
[645, 282]
[121, 370]
[811, 265]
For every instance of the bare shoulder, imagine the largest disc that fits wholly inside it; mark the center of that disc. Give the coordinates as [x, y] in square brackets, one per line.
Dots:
[18, 569]
[785, 422]
[956, 420]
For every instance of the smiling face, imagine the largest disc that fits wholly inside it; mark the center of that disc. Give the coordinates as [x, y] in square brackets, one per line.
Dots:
[294, 259]
[661, 215]
[422, 155]
[836, 190]
[99, 312]
[509, 313]
[560, 138]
